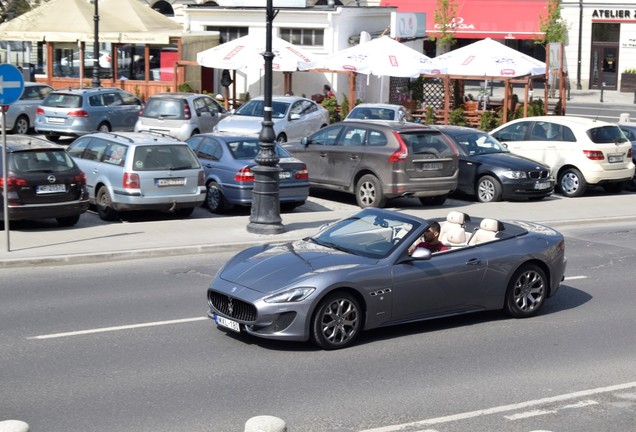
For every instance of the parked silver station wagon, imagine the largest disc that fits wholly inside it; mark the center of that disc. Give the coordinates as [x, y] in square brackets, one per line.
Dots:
[380, 160]
[129, 171]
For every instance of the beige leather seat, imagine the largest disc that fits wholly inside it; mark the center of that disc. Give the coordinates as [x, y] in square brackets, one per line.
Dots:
[454, 221]
[456, 238]
[488, 229]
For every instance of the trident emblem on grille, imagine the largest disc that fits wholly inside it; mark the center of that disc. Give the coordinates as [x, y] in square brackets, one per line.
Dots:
[230, 306]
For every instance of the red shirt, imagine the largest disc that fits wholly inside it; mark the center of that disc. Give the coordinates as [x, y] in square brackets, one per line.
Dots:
[437, 247]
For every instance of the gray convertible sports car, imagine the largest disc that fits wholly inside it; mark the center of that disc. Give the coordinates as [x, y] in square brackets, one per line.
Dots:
[357, 274]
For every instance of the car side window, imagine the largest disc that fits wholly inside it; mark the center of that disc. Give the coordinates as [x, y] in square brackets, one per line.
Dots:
[210, 149]
[200, 105]
[112, 99]
[78, 147]
[297, 108]
[327, 136]
[513, 132]
[44, 91]
[353, 137]
[129, 99]
[212, 106]
[115, 154]
[95, 150]
[96, 100]
[376, 139]
[309, 107]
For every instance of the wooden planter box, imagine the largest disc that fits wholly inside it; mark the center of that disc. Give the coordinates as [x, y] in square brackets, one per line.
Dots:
[628, 82]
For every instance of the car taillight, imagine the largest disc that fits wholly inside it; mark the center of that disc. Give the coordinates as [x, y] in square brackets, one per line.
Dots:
[5, 108]
[13, 182]
[402, 152]
[37, 111]
[629, 153]
[201, 181]
[80, 178]
[77, 113]
[244, 175]
[131, 181]
[186, 110]
[302, 173]
[594, 154]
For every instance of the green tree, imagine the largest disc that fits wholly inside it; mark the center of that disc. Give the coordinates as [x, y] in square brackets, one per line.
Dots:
[12, 8]
[554, 27]
[444, 20]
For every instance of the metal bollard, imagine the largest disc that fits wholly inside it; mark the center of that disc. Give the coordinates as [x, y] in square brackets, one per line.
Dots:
[635, 96]
[602, 88]
[13, 426]
[265, 424]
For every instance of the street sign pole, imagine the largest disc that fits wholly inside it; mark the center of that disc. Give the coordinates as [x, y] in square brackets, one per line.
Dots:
[11, 88]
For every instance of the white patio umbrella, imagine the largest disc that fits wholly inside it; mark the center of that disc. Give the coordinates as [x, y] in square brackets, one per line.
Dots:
[487, 59]
[381, 57]
[248, 50]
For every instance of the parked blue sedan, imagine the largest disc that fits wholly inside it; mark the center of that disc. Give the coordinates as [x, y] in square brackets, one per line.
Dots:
[228, 161]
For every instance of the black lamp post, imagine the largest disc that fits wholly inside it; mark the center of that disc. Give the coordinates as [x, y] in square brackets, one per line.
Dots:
[265, 214]
[95, 82]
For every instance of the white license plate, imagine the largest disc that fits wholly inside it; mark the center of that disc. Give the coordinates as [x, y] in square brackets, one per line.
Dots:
[163, 182]
[615, 159]
[55, 119]
[50, 188]
[284, 175]
[431, 166]
[224, 322]
[542, 185]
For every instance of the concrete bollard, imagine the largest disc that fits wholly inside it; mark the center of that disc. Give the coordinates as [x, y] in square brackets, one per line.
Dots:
[624, 118]
[264, 424]
[13, 426]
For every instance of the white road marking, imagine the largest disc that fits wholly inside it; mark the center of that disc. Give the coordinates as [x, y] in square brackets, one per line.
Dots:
[118, 328]
[503, 408]
[528, 414]
[575, 277]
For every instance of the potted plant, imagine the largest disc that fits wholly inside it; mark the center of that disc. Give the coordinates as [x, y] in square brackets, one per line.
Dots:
[628, 80]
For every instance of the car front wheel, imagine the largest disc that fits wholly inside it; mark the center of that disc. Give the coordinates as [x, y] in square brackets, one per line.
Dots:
[488, 189]
[369, 192]
[526, 292]
[21, 125]
[572, 183]
[336, 322]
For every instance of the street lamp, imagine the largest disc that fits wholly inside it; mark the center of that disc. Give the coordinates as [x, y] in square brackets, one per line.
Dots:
[95, 82]
[265, 213]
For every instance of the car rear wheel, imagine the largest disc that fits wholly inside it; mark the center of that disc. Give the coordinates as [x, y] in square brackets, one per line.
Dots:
[526, 292]
[282, 138]
[434, 200]
[572, 183]
[21, 125]
[68, 221]
[336, 322]
[215, 200]
[103, 203]
[369, 192]
[488, 189]
[103, 127]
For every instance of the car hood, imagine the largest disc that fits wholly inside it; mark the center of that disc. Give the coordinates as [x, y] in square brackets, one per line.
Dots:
[242, 124]
[507, 160]
[269, 268]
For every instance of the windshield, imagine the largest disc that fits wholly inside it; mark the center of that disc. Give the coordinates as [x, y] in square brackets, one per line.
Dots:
[478, 143]
[248, 149]
[255, 108]
[367, 234]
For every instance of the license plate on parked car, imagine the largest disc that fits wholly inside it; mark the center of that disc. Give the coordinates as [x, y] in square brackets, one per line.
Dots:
[284, 175]
[429, 166]
[163, 182]
[50, 188]
[542, 185]
[55, 119]
[224, 322]
[615, 158]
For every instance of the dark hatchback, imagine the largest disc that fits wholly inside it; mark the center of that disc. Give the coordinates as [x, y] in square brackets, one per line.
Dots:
[43, 182]
[489, 172]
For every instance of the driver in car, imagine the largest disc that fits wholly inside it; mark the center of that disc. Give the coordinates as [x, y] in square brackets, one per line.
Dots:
[430, 240]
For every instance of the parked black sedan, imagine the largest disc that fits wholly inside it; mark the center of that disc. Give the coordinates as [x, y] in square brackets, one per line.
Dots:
[488, 171]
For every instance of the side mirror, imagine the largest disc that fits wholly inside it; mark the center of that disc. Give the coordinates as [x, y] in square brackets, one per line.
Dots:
[294, 117]
[304, 141]
[421, 254]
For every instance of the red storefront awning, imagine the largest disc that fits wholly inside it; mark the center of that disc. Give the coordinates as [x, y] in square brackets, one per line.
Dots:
[478, 19]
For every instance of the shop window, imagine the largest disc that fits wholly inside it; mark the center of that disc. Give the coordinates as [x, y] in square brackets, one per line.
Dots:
[227, 34]
[606, 32]
[306, 37]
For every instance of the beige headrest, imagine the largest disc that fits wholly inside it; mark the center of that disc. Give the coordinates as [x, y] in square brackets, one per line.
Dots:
[490, 225]
[455, 217]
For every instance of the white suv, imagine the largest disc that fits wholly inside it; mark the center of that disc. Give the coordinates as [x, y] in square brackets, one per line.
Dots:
[580, 151]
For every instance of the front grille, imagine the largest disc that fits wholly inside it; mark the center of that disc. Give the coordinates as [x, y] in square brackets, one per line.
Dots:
[231, 307]
[536, 175]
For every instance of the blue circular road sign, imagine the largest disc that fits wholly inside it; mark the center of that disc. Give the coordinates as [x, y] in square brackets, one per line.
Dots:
[11, 84]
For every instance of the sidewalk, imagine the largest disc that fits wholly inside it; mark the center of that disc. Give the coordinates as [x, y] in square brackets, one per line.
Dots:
[52, 245]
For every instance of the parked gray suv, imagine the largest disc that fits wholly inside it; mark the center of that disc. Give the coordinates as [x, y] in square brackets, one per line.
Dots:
[380, 160]
[76, 112]
[139, 171]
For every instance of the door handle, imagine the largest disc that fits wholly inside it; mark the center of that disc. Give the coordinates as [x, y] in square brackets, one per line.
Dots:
[473, 261]
[323, 154]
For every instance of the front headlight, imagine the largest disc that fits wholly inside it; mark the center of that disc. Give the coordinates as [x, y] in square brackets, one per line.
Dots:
[514, 175]
[291, 295]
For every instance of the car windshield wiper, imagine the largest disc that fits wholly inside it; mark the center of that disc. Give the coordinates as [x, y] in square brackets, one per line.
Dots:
[331, 245]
